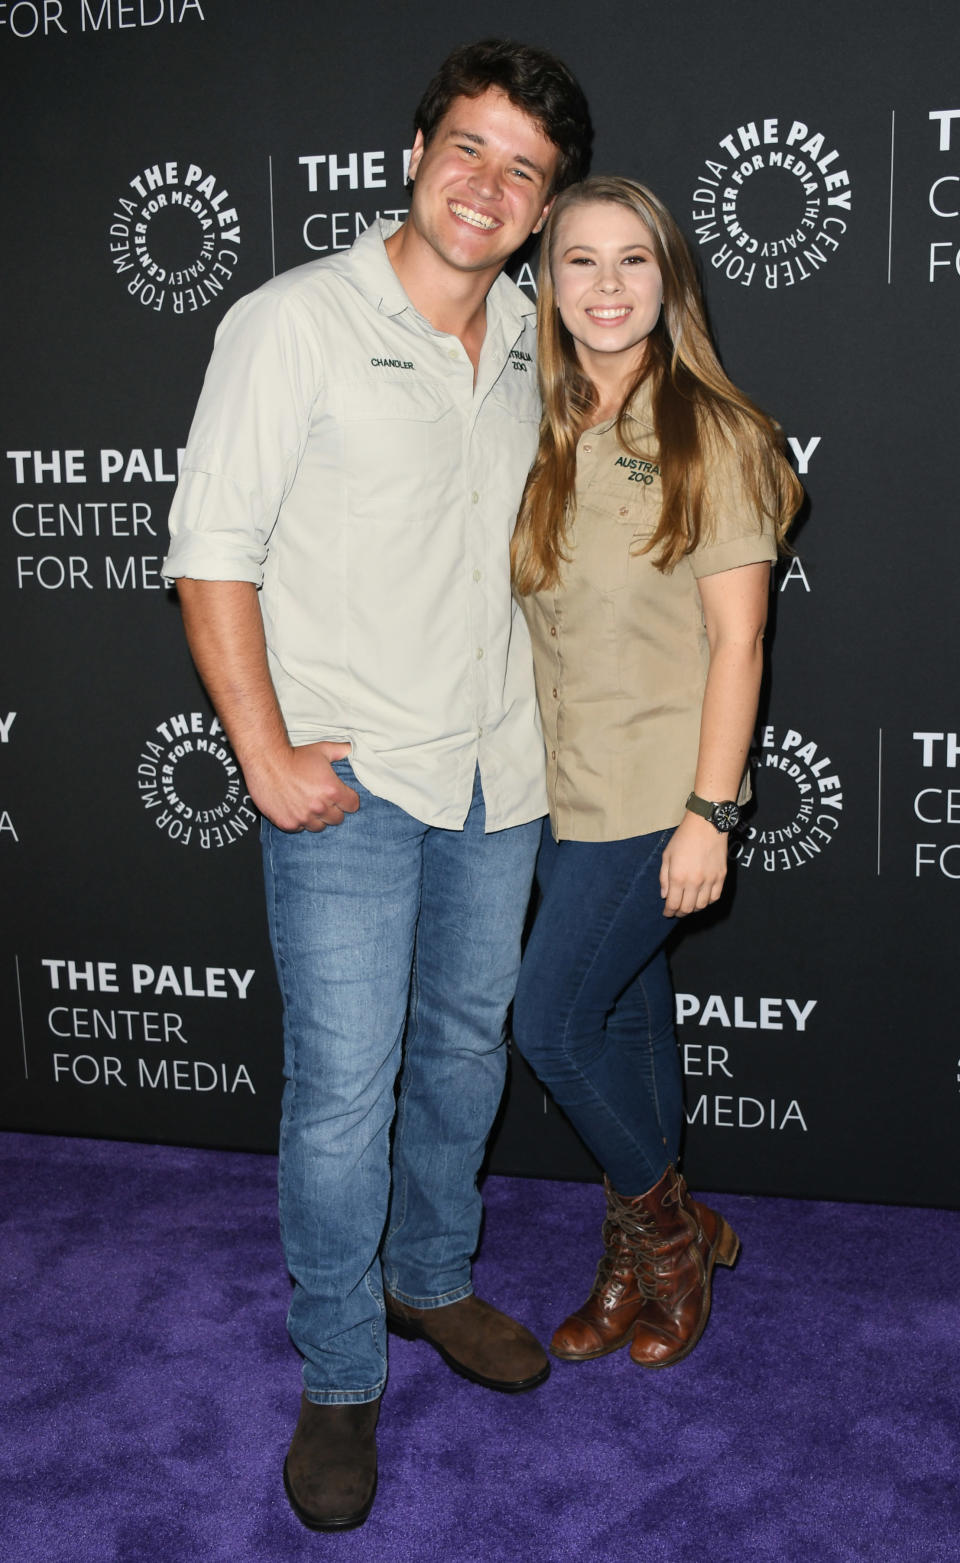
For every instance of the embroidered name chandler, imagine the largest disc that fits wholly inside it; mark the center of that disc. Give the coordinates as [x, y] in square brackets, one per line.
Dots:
[392, 363]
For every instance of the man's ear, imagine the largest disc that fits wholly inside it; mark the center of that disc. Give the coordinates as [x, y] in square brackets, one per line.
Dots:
[416, 154]
[543, 216]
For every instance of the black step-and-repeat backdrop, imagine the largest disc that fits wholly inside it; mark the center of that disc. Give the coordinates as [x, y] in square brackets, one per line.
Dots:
[164, 157]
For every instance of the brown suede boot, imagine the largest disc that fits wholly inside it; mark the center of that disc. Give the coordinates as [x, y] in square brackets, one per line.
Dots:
[330, 1473]
[606, 1320]
[681, 1242]
[476, 1340]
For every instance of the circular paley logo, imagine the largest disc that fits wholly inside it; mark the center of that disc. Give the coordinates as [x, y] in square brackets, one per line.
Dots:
[191, 785]
[174, 239]
[799, 804]
[772, 203]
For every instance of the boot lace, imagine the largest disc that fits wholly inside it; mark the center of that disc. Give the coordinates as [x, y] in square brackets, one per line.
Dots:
[642, 1243]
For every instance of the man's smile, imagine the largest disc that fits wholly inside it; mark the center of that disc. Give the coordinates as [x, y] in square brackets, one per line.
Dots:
[469, 215]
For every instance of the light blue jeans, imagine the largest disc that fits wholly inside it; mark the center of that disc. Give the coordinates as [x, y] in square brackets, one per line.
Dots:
[393, 940]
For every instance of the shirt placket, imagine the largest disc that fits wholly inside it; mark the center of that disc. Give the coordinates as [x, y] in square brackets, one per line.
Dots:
[553, 716]
[477, 564]
[482, 533]
[475, 545]
[588, 447]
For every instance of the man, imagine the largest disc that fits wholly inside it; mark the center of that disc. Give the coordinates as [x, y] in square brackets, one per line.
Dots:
[357, 459]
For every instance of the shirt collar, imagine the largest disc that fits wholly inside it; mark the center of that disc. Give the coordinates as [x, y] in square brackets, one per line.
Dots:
[370, 271]
[640, 410]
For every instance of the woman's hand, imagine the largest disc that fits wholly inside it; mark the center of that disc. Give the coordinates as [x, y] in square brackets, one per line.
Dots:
[694, 867]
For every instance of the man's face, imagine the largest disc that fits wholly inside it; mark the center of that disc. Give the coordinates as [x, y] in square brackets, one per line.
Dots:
[482, 186]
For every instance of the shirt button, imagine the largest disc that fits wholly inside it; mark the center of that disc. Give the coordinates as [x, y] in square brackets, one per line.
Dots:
[553, 754]
[588, 449]
[624, 510]
[475, 498]
[453, 352]
[478, 575]
[479, 653]
[554, 694]
[553, 629]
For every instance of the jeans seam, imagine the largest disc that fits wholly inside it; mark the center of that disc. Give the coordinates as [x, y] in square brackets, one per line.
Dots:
[288, 1113]
[413, 1003]
[651, 1055]
[651, 1052]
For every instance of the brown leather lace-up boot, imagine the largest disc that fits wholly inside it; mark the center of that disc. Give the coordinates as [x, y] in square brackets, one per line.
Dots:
[653, 1282]
[606, 1320]
[680, 1242]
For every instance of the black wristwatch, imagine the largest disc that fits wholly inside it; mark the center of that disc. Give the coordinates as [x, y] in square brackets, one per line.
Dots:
[722, 816]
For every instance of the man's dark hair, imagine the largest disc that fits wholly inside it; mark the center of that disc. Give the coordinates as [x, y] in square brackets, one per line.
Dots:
[533, 80]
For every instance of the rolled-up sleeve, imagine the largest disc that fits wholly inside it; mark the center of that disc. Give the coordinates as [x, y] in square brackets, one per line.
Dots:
[246, 441]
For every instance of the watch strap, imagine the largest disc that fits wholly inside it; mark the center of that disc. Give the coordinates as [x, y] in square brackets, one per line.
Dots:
[724, 816]
[700, 806]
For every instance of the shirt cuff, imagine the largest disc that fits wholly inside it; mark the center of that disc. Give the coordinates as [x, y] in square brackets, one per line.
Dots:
[214, 532]
[759, 548]
[210, 559]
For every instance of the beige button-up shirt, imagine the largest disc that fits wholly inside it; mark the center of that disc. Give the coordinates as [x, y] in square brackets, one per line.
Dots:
[342, 459]
[620, 649]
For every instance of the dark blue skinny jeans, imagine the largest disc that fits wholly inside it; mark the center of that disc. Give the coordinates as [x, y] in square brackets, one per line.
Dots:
[593, 1013]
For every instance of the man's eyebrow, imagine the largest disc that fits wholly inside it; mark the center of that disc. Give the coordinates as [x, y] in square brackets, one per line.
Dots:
[480, 141]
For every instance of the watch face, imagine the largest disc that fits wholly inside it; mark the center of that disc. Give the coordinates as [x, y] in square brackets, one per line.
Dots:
[726, 816]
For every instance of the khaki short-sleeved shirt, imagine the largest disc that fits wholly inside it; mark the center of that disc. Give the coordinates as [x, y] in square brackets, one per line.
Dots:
[620, 648]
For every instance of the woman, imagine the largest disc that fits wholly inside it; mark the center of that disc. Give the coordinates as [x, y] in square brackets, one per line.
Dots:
[642, 561]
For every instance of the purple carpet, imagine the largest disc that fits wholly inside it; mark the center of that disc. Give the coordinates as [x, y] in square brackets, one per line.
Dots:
[150, 1390]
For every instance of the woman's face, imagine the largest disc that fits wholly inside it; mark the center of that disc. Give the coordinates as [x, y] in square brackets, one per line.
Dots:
[608, 284]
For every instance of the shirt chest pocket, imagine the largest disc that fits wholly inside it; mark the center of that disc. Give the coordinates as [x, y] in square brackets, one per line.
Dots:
[400, 441]
[615, 520]
[516, 399]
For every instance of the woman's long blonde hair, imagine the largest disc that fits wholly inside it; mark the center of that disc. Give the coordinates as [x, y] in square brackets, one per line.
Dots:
[692, 399]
